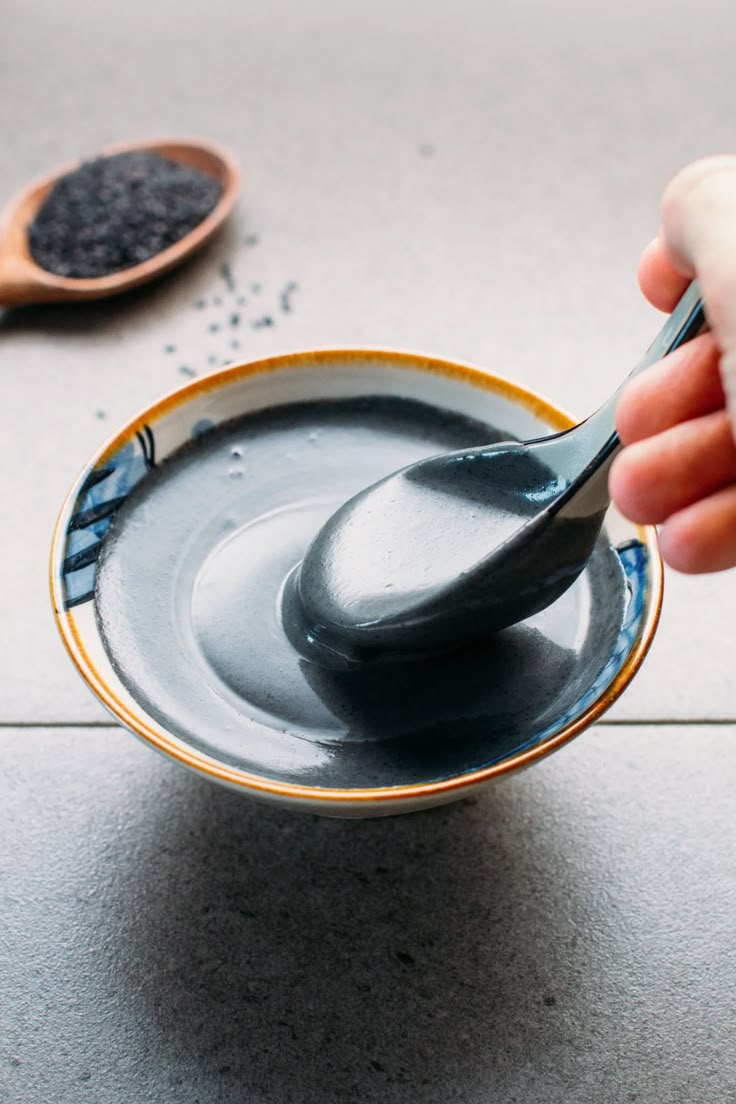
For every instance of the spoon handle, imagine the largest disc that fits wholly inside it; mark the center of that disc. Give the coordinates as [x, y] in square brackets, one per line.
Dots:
[596, 441]
[685, 322]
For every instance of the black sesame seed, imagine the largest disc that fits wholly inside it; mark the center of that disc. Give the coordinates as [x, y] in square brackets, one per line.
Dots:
[116, 212]
[286, 295]
[227, 274]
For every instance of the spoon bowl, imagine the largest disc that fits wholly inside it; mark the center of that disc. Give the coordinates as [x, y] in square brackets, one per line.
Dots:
[415, 583]
[466, 543]
[23, 281]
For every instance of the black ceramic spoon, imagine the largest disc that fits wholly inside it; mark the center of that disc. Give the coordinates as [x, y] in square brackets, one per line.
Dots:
[469, 542]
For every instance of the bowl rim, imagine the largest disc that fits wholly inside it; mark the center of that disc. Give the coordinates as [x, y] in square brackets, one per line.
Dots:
[174, 747]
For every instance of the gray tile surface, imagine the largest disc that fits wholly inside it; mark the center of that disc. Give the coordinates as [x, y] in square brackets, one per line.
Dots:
[472, 180]
[566, 938]
[469, 179]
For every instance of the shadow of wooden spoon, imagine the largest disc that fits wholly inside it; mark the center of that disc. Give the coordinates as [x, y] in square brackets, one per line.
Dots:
[23, 281]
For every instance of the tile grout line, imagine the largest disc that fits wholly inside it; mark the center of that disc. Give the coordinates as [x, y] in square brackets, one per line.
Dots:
[666, 722]
[59, 724]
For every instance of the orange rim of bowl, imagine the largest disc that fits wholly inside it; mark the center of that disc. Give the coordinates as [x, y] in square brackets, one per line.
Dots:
[173, 746]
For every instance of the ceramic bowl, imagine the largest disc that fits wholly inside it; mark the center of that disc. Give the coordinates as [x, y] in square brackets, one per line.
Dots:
[376, 768]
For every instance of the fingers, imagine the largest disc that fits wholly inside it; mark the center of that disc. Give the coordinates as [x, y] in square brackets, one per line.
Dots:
[679, 467]
[687, 384]
[661, 475]
[699, 234]
[660, 281]
[698, 205]
[702, 537]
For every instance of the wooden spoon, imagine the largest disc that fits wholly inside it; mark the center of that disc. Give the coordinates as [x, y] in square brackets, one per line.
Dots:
[22, 281]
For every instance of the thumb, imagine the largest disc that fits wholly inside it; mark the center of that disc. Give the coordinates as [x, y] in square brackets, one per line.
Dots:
[699, 233]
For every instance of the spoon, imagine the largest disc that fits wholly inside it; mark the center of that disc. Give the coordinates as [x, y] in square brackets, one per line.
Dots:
[22, 281]
[463, 544]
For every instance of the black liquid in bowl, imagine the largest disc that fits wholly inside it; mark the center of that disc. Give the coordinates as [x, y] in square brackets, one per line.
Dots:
[189, 596]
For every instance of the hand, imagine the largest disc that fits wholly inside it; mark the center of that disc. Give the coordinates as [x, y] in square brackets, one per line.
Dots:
[678, 469]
